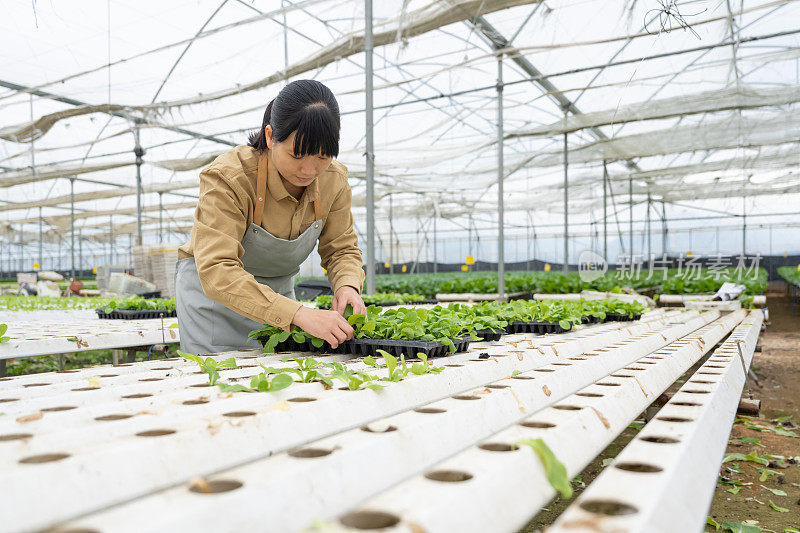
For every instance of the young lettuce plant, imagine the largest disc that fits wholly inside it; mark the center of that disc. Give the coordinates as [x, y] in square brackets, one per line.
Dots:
[424, 367]
[306, 368]
[396, 373]
[209, 365]
[352, 379]
[262, 382]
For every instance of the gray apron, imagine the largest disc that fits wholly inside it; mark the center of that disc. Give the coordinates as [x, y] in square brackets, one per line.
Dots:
[207, 326]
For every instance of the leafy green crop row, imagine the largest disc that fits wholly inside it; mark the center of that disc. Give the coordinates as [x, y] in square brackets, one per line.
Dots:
[325, 301]
[443, 324]
[790, 274]
[677, 282]
[139, 303]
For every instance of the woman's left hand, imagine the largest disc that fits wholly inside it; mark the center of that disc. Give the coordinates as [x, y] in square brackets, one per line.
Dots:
[348, 295]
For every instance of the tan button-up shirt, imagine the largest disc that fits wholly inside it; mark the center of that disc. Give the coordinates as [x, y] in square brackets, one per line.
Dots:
[225, 211]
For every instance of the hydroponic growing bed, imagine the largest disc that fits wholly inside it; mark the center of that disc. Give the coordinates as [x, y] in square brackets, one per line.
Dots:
[157, 443]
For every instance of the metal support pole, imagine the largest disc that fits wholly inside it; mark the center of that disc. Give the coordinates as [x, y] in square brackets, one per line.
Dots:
[41, 261]
[565, 268]
[370, 171]
[663, 228]
[391, 238]
[630, 218]
[605, 211]
[138, 152]
[501, 260]
[80, 251]
[110, 240]
[435, 242]
[72, 225]
[160, 218]
[649, 245]
[744, 225]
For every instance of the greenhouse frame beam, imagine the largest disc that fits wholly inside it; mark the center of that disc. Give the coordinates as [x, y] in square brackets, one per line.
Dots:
[78, 103]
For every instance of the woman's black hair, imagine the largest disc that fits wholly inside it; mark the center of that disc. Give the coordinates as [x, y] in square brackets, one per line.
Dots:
[308, 107]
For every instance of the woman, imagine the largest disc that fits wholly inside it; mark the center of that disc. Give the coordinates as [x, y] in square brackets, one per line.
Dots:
[261, 210]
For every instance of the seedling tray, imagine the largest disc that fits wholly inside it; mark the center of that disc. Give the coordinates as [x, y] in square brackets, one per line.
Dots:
[490, 334]
[539, 328]
[591, 320]
[363, 347]
[135, 314]
[621, 317]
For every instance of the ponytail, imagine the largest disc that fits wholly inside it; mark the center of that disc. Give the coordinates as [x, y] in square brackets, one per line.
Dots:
[258, 139]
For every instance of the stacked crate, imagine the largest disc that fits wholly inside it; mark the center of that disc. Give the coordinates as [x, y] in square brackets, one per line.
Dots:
[157, 264]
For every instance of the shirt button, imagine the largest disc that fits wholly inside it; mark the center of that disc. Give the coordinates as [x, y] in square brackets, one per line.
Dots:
[316, 226]
[255, 230]
[278, 320]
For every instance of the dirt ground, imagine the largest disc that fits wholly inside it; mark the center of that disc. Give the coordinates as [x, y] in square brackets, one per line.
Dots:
[777, 368]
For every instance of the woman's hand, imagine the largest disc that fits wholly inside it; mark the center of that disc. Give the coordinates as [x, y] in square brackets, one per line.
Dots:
[348, 295]
[327, 325]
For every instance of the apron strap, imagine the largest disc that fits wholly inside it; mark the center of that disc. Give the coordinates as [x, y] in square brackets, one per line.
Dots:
[317, 207]
[261, 188]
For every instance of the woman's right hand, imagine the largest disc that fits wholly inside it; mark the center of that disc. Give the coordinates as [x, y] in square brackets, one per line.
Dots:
[327, 325]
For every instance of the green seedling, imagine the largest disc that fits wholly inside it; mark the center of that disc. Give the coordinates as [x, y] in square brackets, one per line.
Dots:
[424, 367]
[306, 368]
[737, 527]
[766, 473]
[751, 457]
[776, 492]
[713, 523]
[778, 507]
[396, 373]
[3, 329]
[209, 365]
[553, 468]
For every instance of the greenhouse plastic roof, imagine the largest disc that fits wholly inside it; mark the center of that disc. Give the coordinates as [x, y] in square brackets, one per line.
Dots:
[693, 101]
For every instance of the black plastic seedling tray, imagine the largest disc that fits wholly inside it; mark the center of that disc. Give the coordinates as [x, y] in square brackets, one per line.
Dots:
[135, 314]
[621, 317]
[363, 347]
[490, 334]
[539, 328]
[591, 320]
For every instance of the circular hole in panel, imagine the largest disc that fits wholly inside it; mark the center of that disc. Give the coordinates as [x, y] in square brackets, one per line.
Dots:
[686, 404]
[6, 400]
[214, 486]
[522, 377]
[201, 385]
[301, 399]
[646, 363]
[659, 439]
[155, 433]
[563, 364]
[449, 476]
[58, 408]
[108, 375]
[109, 418]
[368, 520]
[454, 366]
[478, 360]
[497, 386]
[151, 379]
[124, 364]
[608, 384]
[714, 366]
[694, 391]
[429, 410]
[711, 373]
[620, 375]
[195, 402]
[638, 467]
[633, 368]
[608, 507]
[576, 358]
[673, 419]
[466, 397]
[162, 368]
[15, 436]
[703, 382]
[497, 447]
[567, 407]
[44, 458]
[139, 395]
[537, 425]
[589, 394]
[543, 370]
[66, 371]
[305, 453]
[239, 414]
[36, 385]
[376, 428]
[86, 388]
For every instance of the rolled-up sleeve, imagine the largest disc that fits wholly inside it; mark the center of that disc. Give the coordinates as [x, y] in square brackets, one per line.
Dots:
[220, 221]
[338, 244]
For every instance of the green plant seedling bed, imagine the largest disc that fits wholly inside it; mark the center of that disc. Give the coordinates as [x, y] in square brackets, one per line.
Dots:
[135, 314]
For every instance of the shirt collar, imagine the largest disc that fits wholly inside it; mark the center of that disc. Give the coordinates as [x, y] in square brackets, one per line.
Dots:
[278, 189]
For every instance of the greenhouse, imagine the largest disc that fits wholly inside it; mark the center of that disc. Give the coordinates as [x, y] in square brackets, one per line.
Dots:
[408, 265]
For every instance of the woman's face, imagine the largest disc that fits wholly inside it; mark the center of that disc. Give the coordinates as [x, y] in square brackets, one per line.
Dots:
[299, 171]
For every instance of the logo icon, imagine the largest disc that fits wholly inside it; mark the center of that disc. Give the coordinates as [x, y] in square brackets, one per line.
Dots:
[591, 266]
